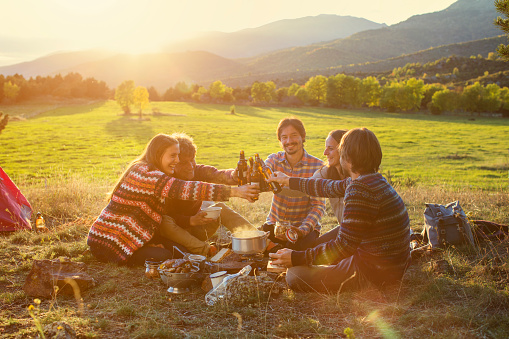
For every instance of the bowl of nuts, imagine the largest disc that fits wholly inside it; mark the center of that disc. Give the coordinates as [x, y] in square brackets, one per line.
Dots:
[177, 274]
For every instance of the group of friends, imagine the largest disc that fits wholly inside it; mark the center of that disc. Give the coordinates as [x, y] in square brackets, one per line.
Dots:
[154, 210]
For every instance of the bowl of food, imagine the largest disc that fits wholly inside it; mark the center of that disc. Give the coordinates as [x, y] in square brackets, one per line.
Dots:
[177, 274]
[213, 212]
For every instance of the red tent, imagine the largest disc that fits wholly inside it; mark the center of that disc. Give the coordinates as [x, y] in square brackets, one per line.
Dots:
[15, 210]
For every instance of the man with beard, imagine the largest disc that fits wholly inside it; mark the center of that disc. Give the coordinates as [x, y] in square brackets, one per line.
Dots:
[372, 244]
[303, 213]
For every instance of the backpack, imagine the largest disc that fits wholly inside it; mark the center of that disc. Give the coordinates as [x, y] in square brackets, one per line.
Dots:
[446, 225]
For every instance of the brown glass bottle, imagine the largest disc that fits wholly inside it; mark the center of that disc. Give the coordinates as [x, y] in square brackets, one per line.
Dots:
[254, 176]
[264, 185]
[242, 169]
[267, 173]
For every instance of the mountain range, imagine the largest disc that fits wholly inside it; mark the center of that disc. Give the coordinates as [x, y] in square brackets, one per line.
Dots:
[304, 45]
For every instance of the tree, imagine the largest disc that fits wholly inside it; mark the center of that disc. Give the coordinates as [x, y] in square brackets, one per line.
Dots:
[502, 6]
[124, 95]
[490, 100]
[263, 91]
[402, 95]
[350, 91]
[140, 98]
[444, 100]
[317, 89]
[11, 91]
[4, 119]
[217, 90]
[293, 89]
[153, 94]
[370, 90]
[471, 97]
[281, 94]
[428, 91]
[302, 95]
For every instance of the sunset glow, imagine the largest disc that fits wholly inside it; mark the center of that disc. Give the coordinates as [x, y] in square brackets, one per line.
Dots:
[141, 26]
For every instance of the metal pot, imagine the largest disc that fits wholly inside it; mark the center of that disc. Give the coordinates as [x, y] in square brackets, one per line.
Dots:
[245, 243]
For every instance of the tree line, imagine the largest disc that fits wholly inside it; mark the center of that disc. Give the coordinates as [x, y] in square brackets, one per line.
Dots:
[15, 88]
[337, 91]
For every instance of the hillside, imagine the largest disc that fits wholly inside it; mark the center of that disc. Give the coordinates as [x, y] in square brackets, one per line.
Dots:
[274, 36]
[160, 69]
[55, 63]
[429, 36]
[463, 50]
[465, 20]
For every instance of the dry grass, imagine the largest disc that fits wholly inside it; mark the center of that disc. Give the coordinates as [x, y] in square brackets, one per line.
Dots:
[470, 299]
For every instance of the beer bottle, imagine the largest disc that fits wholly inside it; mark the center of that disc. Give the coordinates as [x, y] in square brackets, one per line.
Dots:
[242, 169]
[254, 176]
[264, 185]
[267, 173]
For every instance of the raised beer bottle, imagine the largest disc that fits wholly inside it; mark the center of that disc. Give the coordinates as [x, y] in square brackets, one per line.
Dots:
[254, 176]
[242, 169]
[267, 173]
[264, 185]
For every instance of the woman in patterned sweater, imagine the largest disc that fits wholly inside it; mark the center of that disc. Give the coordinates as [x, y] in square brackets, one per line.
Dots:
[127, 231]
[372, 247]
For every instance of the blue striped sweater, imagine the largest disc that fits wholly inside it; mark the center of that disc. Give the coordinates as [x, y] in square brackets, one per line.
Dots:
[375, 227]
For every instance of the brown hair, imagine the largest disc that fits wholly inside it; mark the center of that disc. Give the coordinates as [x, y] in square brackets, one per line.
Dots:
[187, 146]
[361, 148]
[151, 155]
[296, 123]
[332, 172]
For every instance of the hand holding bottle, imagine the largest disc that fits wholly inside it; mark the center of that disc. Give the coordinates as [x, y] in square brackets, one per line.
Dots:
[248, 192]
[281, 178]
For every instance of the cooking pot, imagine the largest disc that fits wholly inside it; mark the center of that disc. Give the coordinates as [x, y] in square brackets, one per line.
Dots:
[251, 242]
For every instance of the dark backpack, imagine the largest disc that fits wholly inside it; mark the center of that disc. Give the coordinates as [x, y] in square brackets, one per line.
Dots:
[446, 225]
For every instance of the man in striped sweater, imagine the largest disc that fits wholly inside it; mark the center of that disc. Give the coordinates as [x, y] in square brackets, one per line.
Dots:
[372, 247]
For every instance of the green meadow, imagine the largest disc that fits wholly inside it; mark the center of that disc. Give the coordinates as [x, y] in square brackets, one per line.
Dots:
[66, 156]
[97, 141]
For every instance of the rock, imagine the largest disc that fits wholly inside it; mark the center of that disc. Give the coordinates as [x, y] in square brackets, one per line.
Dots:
[59, 330]
[63, 273]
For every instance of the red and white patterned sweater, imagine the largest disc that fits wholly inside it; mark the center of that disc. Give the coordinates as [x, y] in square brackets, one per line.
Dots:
[136, 207]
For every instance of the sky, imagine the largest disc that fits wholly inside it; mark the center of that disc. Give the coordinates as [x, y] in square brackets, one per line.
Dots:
[33, 28]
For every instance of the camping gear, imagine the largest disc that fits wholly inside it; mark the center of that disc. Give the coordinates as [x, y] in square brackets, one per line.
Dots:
[15, 210]
[446, 225]
[251, 242]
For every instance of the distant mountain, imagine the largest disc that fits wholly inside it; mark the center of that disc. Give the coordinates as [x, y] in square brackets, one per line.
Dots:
[277, 35]
[160, 70]
[55, 63]
[462, 49]
[465, 20]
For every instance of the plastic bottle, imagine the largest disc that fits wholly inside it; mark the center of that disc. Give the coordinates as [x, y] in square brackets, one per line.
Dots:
[219, 292]
[40, 224]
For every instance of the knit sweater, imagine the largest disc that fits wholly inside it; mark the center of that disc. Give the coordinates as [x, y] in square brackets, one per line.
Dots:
[135, 210]
[182, 210]
[375, 227]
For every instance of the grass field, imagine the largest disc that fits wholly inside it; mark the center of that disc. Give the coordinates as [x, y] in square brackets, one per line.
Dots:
[96, 141]
[65, 159]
